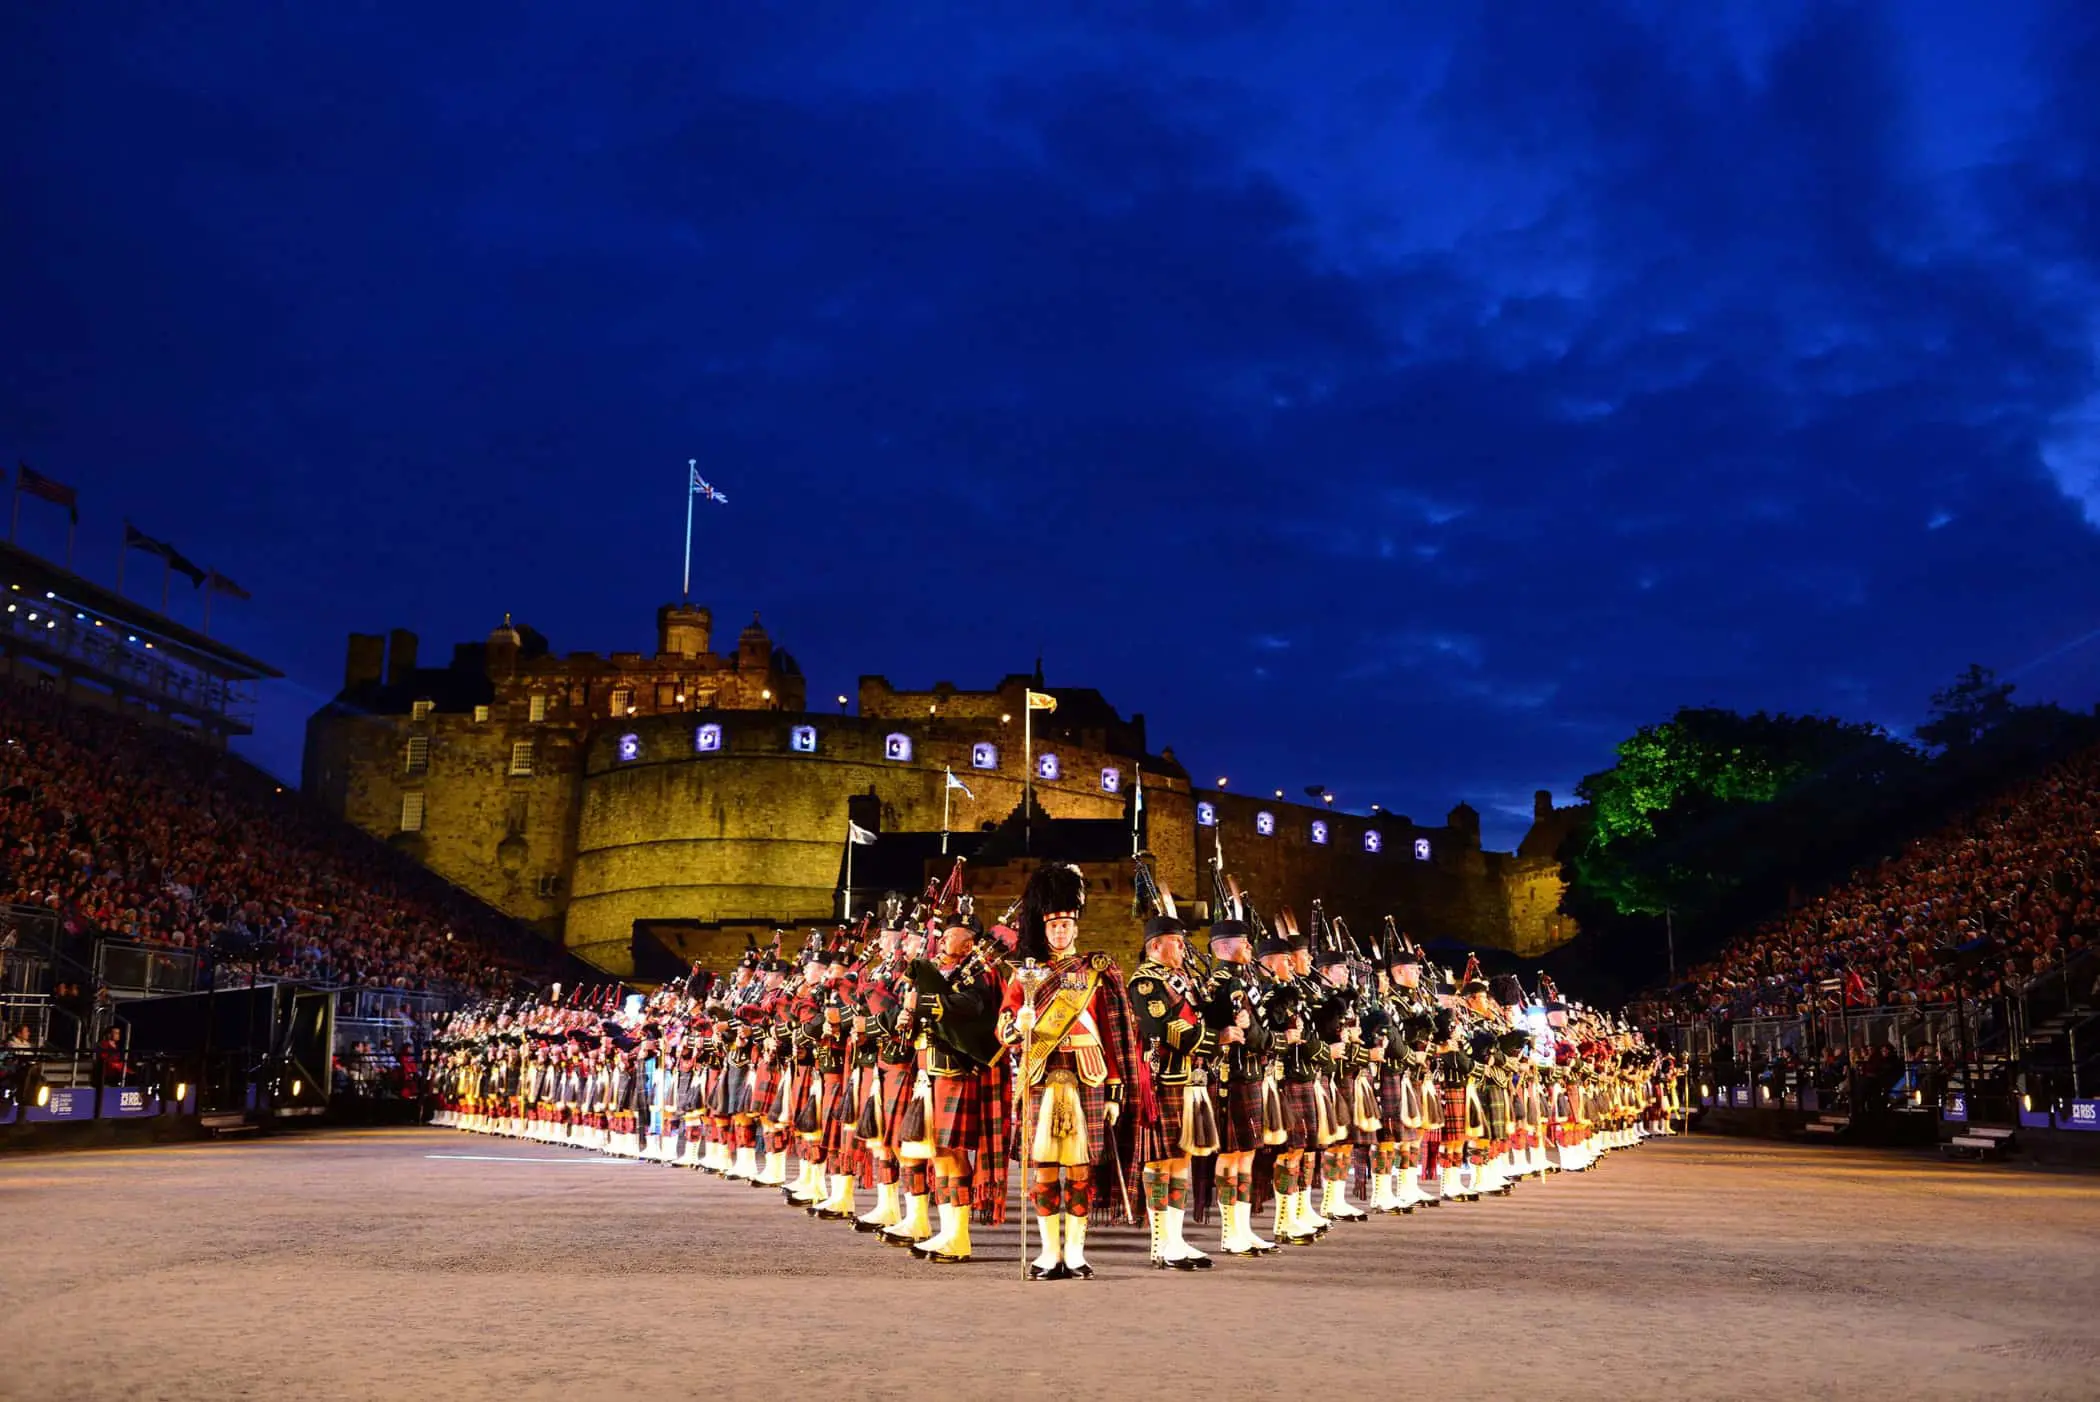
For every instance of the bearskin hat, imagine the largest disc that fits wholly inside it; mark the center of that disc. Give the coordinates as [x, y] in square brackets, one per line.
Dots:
[1054, 888]
[1507, 990]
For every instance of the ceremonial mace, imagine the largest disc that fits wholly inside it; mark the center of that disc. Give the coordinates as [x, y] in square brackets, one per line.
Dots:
[1031, 976]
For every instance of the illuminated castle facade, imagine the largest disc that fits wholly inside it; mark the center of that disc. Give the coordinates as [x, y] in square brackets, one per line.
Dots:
[696, 795]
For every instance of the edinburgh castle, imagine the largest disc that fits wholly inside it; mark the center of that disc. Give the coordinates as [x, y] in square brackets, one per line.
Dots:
[695, 797]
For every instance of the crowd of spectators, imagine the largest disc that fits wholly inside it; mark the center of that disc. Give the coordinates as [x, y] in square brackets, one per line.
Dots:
[129, 831]
[1980, 908]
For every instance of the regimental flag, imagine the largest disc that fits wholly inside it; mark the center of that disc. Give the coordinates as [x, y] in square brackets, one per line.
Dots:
[955, 783]
[1041, 701]
[136, 539]
[220, 584]
[858, 835]
[28, 479]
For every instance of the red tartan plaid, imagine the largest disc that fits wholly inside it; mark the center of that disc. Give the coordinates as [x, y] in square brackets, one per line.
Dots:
[1301, 1115]
[762, 1090]
[1454, 1098]
[896, 1090]
[958, 1112]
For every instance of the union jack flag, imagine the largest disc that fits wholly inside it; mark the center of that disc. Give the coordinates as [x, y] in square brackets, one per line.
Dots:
[703, 488]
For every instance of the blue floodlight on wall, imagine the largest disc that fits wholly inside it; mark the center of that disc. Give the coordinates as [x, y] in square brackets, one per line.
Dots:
[803, 739]
[1265, 823]
[1206, 815]
[630, 748]
[897, 746]
[708, 738]
[984, 755]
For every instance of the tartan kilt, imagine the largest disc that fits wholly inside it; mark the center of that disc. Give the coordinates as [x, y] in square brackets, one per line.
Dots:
[1301, 1115]
[1454, 1098]
[841, 1104]
[733, 1091]
[958, 1111]
[1494, 1116]
[761, 1090]
[1161, 1140]
[1093, 1112]
[895, 1089]
[803, 1093]
[1238, 1104]
[1392, 1100]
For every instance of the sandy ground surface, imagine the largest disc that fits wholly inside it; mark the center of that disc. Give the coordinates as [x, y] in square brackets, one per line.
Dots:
[419, 1263]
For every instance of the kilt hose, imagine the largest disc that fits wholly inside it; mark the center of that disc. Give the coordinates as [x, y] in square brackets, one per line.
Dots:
[1301, 1115]
[1239, 1115]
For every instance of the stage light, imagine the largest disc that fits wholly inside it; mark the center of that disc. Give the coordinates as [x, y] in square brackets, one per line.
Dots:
[1326, 798]
[2027, 1102]
[43, 1096]
[49, 595]
[1221, 781]
[11, 608]
[149, 644]
[297, 1086]
[32, 617]
[765, 695]
[1006, 720]
[182, 1091]
[128, 637]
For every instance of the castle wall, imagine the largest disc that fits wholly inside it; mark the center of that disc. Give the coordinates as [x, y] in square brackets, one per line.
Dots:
[756, 830]
[505, 839]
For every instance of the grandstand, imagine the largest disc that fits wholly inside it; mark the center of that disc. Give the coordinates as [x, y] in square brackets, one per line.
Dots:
[1947, 989]
[140, 859]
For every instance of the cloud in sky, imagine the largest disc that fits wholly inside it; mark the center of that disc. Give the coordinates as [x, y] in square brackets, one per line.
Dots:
[1530, 370]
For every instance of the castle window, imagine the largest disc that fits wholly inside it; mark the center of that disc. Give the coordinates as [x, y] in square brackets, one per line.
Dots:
[537, 710]
[1319, 833]
[420, 710]
[1421, 849]
[1046, 766]
[630, 748]
[622, 700]
[549, 884]
[1206, 815]
[1111, 781]
[802, 739]
[896, 745]
[707, 739]
[418, 754]
[521, 759]
[412, 812]
[667, 696]
[1265, 823]
[481, 715]
[984, 756]
[1373, 842]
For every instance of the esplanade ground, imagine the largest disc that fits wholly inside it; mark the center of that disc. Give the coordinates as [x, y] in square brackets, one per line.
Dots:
[418, 1263]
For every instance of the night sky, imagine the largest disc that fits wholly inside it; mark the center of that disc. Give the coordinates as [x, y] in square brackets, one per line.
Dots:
[1371, 397]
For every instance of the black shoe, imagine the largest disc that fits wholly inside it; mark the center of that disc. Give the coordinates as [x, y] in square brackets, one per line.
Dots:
[942, 1258]
[860, 1226]
[1201, 1263]
[1079, 1273]
[1184, 1264]
[1056, 1272]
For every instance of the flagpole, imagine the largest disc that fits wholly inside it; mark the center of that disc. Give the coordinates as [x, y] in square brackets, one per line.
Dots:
[847, 907]
[692, 465]
[947, 798]
[1027, 774]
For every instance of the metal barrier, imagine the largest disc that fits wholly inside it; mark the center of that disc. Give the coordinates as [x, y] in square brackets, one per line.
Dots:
[143, 968]
[30, 1010]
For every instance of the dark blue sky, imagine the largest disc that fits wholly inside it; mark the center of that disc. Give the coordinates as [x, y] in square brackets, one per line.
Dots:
[1371, 396]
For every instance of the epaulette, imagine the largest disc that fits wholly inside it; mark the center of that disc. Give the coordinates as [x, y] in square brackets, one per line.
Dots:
[1100, 962]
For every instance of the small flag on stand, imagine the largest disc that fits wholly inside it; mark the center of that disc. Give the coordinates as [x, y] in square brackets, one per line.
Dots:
[955, 783]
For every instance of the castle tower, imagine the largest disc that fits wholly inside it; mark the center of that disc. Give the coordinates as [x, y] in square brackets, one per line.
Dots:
[682, 630]
[754, 650]
[504, 643]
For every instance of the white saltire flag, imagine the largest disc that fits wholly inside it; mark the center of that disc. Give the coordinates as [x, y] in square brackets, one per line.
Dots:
[858, 835]
[1041, 701]
[955, 783]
